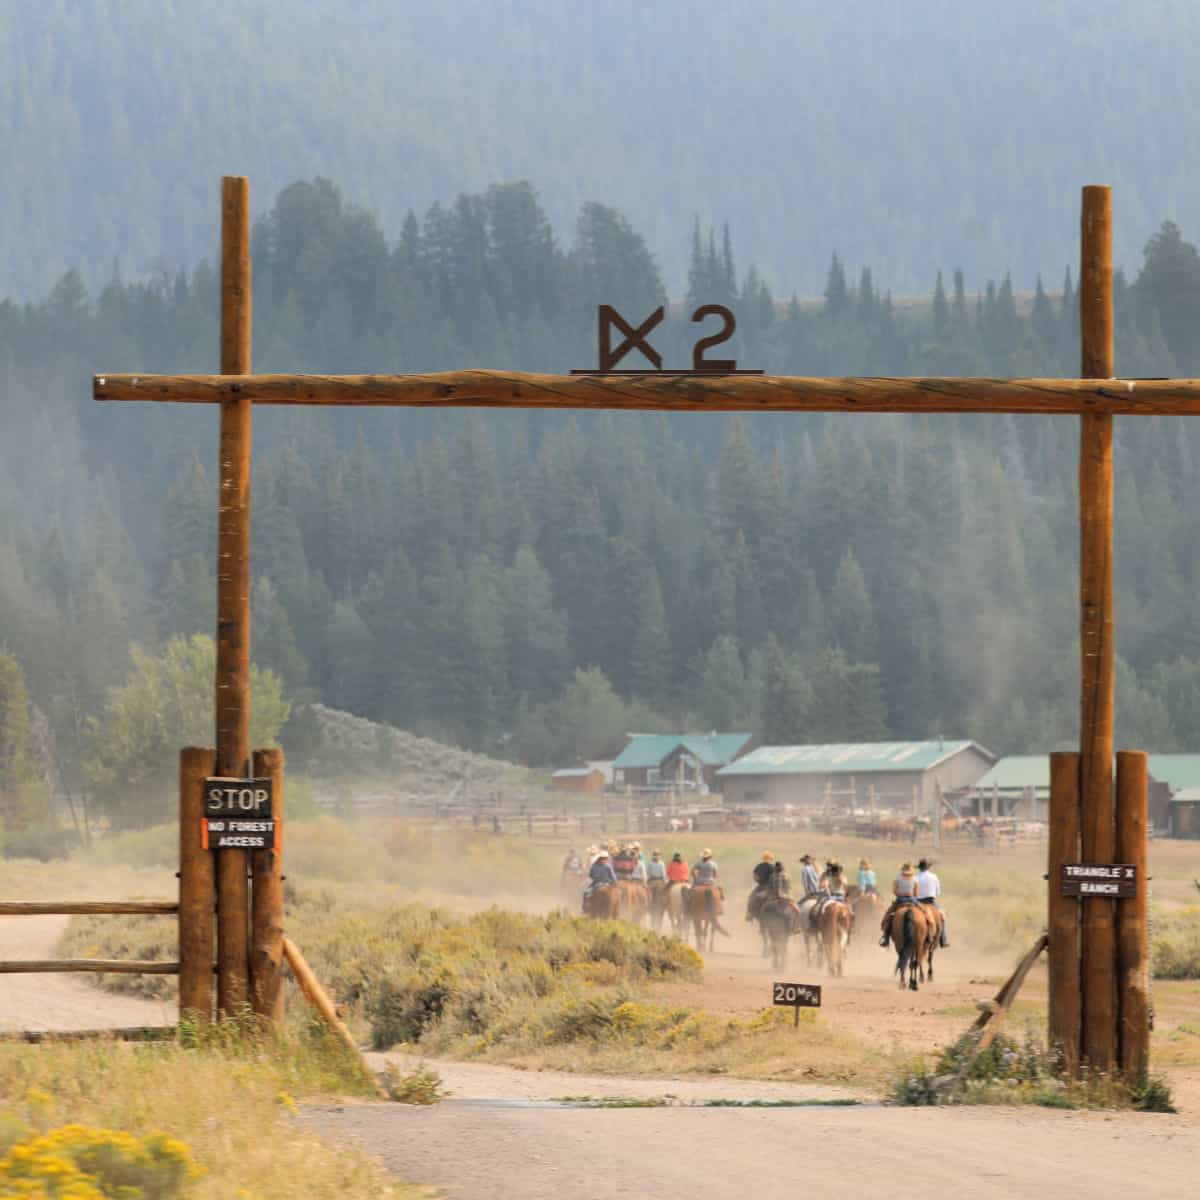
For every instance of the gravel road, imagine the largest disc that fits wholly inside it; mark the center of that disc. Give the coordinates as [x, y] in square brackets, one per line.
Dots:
[505, 1147]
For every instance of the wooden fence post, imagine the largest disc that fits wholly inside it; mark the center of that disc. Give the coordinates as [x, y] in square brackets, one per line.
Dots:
[1062, 922]
[197, 890]
[1133, 933]
[266, 923]
[233, 587]
[1097, 829]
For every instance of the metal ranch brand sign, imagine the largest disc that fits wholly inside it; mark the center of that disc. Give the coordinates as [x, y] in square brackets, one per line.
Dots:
[1116, 880]
[638, 338]
[238, 815]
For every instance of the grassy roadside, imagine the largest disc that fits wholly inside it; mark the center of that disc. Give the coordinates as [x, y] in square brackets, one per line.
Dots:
[226, 1103]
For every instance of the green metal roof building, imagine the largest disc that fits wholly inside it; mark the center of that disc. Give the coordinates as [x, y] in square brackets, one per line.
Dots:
[902, 776]
[1020, 786]
[689, 760]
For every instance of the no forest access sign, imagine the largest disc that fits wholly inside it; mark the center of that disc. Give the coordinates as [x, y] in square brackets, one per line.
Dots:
[238, 815]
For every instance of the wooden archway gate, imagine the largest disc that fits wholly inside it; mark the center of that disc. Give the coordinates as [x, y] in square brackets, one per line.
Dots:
[1099, 1010]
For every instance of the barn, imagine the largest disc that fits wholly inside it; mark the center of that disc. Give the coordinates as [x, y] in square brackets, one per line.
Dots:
[677, 760]
[1184, 819]
[1017, 786]
[578, 779]
[899, 776]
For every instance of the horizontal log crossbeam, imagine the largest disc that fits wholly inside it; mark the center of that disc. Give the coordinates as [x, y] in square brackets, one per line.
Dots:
[95, 966]
[664, 390]
[84, 908]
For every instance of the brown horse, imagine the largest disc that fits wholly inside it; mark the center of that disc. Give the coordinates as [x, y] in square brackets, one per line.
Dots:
[934, 921]
[634, 899]
[835, 921]
[910, 937]
[778, 920]
[603, 904]
[867, 909]
[704, 907]
[658, 904]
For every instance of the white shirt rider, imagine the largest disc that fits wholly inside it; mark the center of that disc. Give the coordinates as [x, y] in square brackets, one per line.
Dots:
[929, 886]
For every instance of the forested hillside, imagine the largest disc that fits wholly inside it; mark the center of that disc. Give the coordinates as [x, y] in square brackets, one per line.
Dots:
[907, 135]
[534, 585]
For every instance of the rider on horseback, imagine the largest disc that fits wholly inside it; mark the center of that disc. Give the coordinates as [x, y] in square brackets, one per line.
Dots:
[929, 888]
[833, 881]
[656, 869]
[764, 873]
[638, 874]
[866, 878]
[904, 889]
[600, 875]
[809, 878]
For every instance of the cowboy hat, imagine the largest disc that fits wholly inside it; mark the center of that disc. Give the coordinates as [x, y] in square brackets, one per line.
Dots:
[768, 856]
[706, 854]
[865, 863]
[677, 857]
[907, 869]
[806, 858]
[602, 854]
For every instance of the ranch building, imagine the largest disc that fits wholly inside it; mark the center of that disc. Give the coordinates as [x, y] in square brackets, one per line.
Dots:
[904, 777]
[683, 761]
[1184, 818]
[1172, 777]
[1018, 787]
[577, 779]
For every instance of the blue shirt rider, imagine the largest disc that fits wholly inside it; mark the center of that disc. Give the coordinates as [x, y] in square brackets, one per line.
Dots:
[810, 879]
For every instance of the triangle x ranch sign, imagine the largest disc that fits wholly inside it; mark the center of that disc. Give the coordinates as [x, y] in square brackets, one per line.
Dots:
[1115, 880]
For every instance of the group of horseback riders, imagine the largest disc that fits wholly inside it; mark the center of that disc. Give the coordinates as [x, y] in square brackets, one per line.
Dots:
[822, 887]
[606, 866]
[773, 885]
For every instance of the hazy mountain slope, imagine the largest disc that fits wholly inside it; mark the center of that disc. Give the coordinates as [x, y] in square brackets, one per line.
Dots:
[939, 130]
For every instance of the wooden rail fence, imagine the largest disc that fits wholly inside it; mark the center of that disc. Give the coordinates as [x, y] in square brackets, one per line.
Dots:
[96, 966]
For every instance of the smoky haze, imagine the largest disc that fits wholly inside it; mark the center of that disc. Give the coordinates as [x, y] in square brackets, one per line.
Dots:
[954, 134]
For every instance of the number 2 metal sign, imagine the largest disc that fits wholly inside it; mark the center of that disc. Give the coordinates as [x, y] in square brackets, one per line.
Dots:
[637, 338]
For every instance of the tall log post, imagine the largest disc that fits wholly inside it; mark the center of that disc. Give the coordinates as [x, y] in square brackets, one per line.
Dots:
[1096, 628]
[1133, 930]
[266, 924]
[197, 890]
[233, 586]
[1062, 920]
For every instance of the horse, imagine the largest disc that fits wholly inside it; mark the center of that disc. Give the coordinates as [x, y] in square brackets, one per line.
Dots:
[658, 904]
[910, 938]
[603, 904]
[633, 900]
[570, 888]
[676, 911]
[866, 908]
[835, 922]
[704, 909]
[778, 921]
[934, 921]
[808, 927]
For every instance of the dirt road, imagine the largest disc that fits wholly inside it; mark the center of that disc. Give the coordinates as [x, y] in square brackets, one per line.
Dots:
[513, 1145]
[61, 1002]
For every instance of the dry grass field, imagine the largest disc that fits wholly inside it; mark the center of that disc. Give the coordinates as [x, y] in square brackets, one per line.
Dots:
[359, 905]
